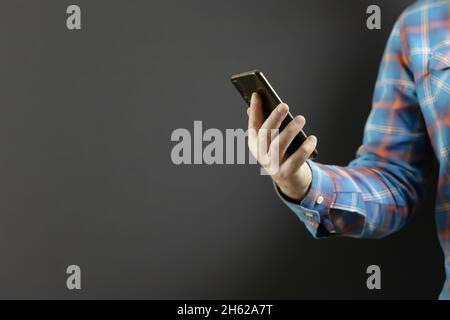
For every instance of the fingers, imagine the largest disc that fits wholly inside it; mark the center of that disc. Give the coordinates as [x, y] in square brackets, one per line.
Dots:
[271, 124]
[255, 113]
[266, 151]
[296, 160]
[255, 121]
[276, 117]
[284, 139]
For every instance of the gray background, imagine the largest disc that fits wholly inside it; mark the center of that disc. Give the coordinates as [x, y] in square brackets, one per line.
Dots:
[85, 170]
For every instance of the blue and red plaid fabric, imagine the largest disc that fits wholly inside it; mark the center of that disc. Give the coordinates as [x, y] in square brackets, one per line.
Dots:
[409, 124]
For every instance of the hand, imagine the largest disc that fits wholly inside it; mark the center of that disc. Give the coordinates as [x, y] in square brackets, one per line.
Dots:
[290, 172]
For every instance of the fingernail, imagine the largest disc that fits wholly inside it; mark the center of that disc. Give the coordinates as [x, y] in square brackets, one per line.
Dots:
[252, 99]
[248, 111]
[300, 119]
[312, 139]
[283, 108]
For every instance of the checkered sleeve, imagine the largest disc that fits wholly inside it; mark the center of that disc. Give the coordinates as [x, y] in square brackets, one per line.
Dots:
[376, 193]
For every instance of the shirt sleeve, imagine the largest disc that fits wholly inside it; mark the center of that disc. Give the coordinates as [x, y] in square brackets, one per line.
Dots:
[377, 192]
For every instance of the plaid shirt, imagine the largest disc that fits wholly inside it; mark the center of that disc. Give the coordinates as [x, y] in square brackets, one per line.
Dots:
[409, 122]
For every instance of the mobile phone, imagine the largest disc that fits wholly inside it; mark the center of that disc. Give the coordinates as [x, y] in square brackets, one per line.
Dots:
[255, 81]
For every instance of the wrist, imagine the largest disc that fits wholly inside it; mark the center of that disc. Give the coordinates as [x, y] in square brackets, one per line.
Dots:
[297, 187]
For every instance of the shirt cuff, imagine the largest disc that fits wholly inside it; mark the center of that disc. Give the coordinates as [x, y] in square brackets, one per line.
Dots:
[314, 209]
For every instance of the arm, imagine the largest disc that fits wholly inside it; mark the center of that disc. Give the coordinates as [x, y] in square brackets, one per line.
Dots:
[376, 193]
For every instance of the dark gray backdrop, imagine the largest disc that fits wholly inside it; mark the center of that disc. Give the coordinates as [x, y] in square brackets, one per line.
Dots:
[85, 170]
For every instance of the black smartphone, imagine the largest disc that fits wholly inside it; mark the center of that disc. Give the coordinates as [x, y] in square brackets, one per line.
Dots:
[255, 81]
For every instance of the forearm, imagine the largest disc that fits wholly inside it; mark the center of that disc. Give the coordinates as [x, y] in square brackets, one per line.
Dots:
[357, 200]
[376, 193]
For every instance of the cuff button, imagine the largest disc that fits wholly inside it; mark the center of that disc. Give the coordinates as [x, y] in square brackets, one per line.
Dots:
[319, 200]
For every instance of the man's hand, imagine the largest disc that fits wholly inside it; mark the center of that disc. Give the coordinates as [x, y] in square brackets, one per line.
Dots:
[290, 172]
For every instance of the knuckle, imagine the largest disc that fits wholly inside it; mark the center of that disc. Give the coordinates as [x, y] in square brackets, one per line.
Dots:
[297, 123]
[292, 127]
[296, 128]
[303, 151]
[271, 119]
[274, 148]
[308, 147]
[282, 175]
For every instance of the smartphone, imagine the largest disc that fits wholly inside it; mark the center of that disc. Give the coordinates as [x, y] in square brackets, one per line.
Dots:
[255, 81]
